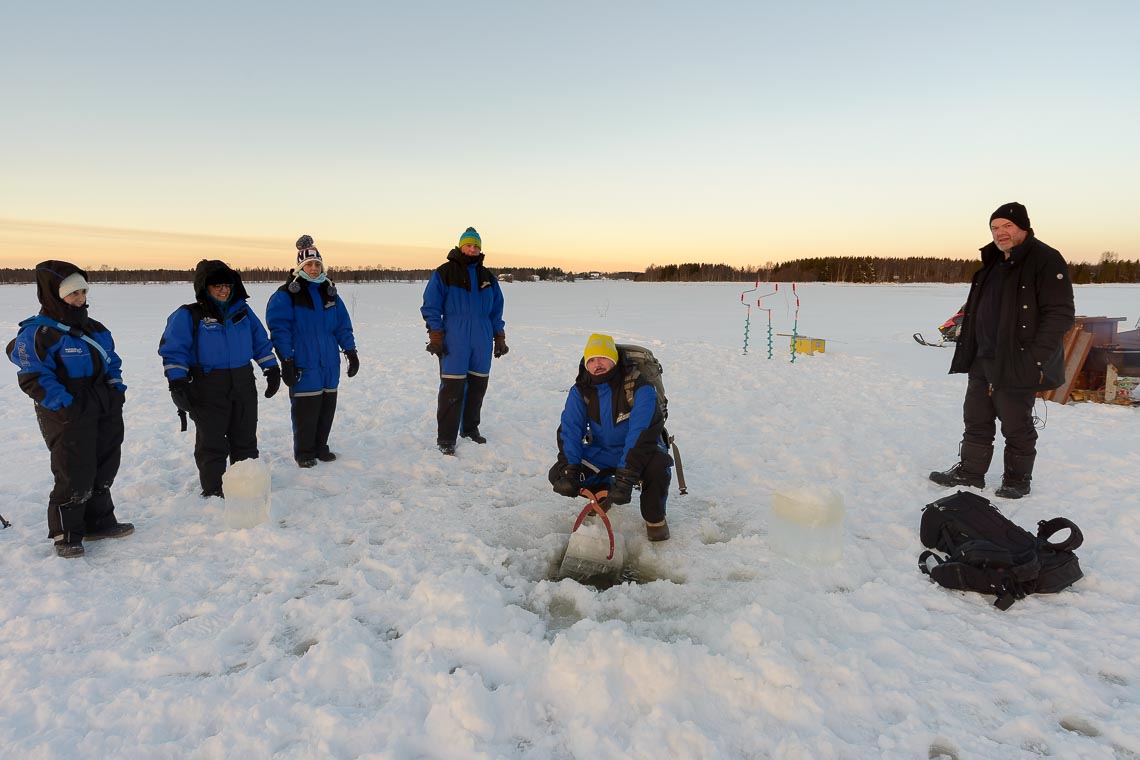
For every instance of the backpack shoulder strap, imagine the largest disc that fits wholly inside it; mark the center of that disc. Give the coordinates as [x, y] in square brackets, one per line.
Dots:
[1047, 528]
[197, 311]
[75, 332]
[633, 372]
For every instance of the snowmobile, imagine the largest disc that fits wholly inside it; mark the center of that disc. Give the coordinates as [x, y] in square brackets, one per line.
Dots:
[948, 331]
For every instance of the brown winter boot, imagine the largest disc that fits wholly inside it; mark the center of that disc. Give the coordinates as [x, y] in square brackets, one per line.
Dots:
[657, 531]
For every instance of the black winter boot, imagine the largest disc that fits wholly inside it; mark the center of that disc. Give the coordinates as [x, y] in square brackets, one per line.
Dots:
[958, 475]
[1018, 473]
[114, 530]
[449, 409]
[974, 460]
[473, 407]
[1013, 487]
[69, 549]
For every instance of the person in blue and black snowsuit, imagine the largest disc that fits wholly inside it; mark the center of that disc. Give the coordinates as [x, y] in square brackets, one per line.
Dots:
[68, 365]
[206, 353]
[611, 437]
[463, 310]
[309, 326]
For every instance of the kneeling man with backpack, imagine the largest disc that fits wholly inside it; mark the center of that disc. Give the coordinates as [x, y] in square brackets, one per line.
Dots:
[612, 435]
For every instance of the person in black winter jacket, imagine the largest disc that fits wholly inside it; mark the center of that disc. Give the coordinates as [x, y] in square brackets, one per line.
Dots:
[68, 365]
[206, 350]
[1011, 346]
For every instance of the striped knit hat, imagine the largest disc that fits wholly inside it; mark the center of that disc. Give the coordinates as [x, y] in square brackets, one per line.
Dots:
[470, 236]
[306, 251]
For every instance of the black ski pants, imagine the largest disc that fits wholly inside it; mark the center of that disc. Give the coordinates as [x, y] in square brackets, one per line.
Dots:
[85, 440]
[980, 410]
[224, 410]
[313, 413]
[460, 405]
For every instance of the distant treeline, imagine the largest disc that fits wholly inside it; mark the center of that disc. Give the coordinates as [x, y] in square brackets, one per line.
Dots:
[266, 274]
[873, 269]
[869, 269]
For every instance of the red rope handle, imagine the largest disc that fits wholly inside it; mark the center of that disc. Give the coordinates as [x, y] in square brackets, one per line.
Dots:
[596, 507]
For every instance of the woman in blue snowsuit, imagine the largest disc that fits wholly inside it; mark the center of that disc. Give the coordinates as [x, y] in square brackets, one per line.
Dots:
[206, 353]
[606, 441]
[463, 310]
[68, 365]
[309, 326]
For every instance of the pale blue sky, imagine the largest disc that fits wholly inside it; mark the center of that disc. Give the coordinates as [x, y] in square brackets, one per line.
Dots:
[619, 133]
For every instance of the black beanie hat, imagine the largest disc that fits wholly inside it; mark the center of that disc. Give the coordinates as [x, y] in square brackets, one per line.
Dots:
[1015, 213]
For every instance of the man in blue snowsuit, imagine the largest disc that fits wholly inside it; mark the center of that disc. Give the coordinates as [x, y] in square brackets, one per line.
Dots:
[68, 366]
[611, 436]
[309, 326]
[463, 310]
[206, 353]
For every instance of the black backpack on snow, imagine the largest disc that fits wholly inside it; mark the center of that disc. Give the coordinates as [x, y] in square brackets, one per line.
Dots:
[989, 554]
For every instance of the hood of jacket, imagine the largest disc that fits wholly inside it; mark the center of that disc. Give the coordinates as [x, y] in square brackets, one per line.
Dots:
[49, 275]
[459, 257]
[208, 268]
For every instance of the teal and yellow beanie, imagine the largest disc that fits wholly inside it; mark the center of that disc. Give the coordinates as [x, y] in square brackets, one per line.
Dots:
[600, 345]
[470, 236]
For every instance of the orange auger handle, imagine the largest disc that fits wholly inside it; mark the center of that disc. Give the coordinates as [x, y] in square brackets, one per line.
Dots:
[596, 507]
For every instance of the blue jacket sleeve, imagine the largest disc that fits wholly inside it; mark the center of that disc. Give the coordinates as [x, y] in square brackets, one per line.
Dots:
[497, 324]
[434, 296]
[344, 336]
[573, 426]
[37, 368]
[279, 318]
[176, 344]
[262, 348]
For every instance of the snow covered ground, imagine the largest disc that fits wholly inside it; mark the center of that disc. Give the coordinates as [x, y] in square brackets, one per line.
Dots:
[400, 604]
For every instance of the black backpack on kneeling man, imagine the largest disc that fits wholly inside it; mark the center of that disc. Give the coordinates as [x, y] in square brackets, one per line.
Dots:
[987, 553]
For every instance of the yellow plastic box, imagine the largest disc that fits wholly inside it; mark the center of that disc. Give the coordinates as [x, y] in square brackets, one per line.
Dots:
[806, 345]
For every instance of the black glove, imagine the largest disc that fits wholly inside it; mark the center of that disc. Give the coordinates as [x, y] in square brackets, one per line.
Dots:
[501, 345]
[569, 481]
[180, 393]
[621, 490]
[435, 343]
[272, 381]
[353, 362]
[289, 372]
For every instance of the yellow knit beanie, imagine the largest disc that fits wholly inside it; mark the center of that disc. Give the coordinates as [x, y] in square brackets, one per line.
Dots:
[600, 345]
